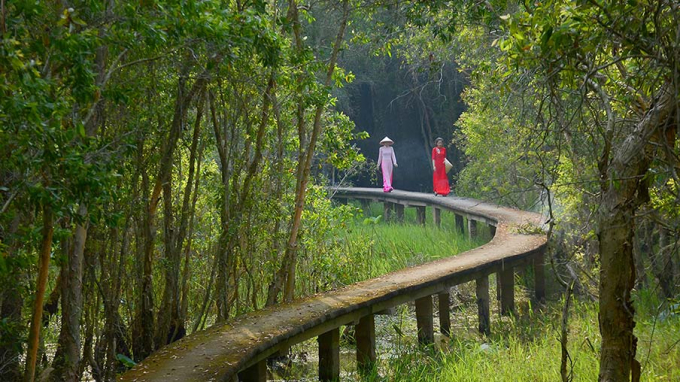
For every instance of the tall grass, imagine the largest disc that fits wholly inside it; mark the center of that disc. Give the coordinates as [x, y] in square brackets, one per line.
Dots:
[528, 348]
[371, 247]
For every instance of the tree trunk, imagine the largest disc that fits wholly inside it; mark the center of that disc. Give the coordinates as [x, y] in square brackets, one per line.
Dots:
[234, 199]
[286, 273]
[43, 268]
[146, 306]
[663, 262]
[115, 343]
[277, 242]
[675, 256]
[144, 320]
[184, 307]
[624, 190]
[140, 231]
[170, 327]
[198, 325]
[617, 278]
[223, 252]
[67, 358]
[171, 267]
[108, 259]
[564, 337]
[92, 301]
[642, 250]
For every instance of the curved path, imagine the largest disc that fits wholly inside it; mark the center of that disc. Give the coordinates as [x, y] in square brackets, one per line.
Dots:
[222, 352]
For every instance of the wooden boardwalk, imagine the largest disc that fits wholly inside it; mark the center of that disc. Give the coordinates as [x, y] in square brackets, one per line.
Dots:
[238, 350]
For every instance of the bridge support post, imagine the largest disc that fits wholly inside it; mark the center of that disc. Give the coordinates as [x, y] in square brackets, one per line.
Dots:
[482, 291]
[539, 276]
[364, 332]
[507, 282]
[498, 286]
[492, 229]
[400, 212]
[460, 225]
[472, 228]
[437, 215]
[255, 373]
[420, 215]
[424, 320]
[329, 356]
[444, 314]
[387, 212]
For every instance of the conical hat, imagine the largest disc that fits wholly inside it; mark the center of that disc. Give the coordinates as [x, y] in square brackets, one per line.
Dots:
[386, 140]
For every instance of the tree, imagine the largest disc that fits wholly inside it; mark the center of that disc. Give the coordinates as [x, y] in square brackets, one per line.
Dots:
[599, 83]
[286, 274]
[143, 141]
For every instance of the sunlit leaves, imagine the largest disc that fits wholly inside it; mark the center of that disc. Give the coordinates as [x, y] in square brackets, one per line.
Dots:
[664, 198]
[336, 141]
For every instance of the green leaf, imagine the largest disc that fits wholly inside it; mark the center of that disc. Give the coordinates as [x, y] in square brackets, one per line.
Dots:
[545, 37]
[125, 360]
[16, 63]
[77, 20]
[372, 220]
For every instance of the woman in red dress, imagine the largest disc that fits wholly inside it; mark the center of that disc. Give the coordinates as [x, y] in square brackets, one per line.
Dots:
[440, 181]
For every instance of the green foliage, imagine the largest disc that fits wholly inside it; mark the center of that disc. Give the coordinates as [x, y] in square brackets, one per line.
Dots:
[337, 142]
[125, 360]
[12, 334]
[543, 76]
[663, 198]
[528, 229]
[500, 151]
[93, 95]
[527, 349]
[372, 220]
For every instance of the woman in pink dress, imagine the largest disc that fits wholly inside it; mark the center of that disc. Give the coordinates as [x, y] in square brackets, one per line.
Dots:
[440, 181]
[386, 160]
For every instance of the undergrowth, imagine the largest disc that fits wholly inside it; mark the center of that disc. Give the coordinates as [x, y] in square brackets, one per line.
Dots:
[528, 348]
[523, 348]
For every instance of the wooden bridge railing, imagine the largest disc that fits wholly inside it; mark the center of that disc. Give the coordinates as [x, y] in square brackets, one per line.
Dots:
[238, 351]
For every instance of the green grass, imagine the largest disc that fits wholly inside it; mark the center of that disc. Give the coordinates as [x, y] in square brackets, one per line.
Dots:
[528, 348]
[373, 247]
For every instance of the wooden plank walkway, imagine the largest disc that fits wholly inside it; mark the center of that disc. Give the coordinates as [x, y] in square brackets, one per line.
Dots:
[221, 352]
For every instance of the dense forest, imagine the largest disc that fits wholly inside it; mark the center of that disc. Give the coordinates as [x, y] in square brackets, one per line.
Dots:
[164, 164]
